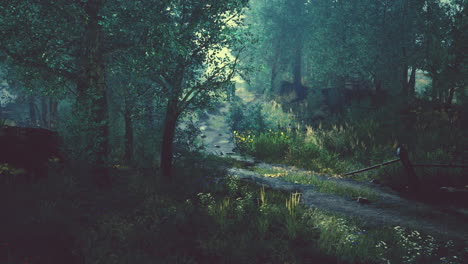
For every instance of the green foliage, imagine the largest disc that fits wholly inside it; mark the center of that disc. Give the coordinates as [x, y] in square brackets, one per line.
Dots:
[305, 151]
[206, 217]
[301, 149]
[246, 118]
[271, 145]
[355, 243]
[351, 142]
[343, 42]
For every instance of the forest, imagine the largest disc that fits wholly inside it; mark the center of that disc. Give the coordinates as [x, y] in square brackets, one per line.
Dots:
[234, 131]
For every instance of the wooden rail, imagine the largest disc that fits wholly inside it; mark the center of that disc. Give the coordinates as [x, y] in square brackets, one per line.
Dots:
[413, 180]
[371, 168]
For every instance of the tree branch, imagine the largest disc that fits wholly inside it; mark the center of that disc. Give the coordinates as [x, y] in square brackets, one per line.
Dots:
[58, 72]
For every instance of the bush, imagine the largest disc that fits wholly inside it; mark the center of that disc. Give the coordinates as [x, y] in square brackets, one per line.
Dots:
[250, 119]
[300, 153]
[271, 145]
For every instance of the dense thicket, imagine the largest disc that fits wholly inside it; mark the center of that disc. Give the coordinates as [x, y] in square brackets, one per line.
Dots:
[356, 79]
[374, 45]
[128, 57]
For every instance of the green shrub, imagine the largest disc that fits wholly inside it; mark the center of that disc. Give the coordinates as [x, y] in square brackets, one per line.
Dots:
[246, 118]
[271, 145]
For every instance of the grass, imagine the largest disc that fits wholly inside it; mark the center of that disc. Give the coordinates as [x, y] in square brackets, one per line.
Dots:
[321, 185]
[349, 240]
[355, 143]
[206, 217]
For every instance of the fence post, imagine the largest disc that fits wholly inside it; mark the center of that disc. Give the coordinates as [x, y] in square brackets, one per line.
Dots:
[413, 181]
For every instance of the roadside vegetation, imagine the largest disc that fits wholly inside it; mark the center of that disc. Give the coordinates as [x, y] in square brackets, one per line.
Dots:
[207, 217]
[346, 143]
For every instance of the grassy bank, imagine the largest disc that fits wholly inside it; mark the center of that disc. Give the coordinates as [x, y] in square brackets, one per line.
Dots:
[349, 143]
[207, 217]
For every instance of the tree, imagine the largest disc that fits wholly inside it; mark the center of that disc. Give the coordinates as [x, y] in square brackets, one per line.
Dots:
[444, 42]
[194, 67]
[71, 42]
[62, 39]
[279, 26]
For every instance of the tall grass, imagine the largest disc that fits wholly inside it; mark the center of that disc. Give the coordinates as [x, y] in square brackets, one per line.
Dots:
[431, 137]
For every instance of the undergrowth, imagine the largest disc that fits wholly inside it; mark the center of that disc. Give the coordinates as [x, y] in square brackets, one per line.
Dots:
[205, 217]
[360, 139]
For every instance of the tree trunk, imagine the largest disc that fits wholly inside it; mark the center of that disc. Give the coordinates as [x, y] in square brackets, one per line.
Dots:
[274, 73]
[95, 86]
[297, 65]
[412, 83]
[149, 111]
[128, 155]
[44, 112]
[379, 96]
[53, 113]
[435, 84]
[297, 71]
[32, 111]
[168, 139]
[404, 72]
[450, 96]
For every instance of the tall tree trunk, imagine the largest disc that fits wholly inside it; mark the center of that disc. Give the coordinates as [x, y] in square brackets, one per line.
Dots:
[297, 11]
[274, 73]
[32, 111]
[168, 139]
[450, 96]
[95, 86]
[404, 77]
[44, 112]
[435, 86]
[128, 155]
[53, 112]
[149, 111]
[297, 65]
[297, 70]
[412, 83]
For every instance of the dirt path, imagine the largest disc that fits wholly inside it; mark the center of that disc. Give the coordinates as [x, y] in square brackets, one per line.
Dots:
[217, 136]
[389, 210]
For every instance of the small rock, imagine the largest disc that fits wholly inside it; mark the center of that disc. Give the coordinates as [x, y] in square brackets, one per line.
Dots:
[221, 153]
[203, 136]
[363, 200]
[230, 153]
[217, 146]
[220, 134]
